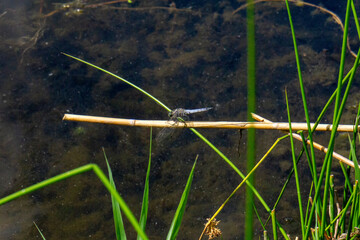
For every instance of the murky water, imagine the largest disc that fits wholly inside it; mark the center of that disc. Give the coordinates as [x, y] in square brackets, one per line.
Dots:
[188, 54]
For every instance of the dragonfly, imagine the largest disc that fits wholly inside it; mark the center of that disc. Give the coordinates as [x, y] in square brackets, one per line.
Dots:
[177, 115]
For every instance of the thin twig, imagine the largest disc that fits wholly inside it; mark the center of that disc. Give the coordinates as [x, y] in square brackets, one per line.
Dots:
[104, 3]
[302, 3]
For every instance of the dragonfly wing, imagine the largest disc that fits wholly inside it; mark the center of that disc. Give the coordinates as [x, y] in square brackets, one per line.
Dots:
[164, 134]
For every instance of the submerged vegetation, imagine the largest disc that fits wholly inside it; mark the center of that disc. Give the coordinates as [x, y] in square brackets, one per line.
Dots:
[325, 209]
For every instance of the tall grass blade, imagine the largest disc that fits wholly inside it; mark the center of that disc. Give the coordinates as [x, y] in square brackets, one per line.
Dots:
[145, 201]
[354, 158]
[89, 167]
[175, 225]
[355, 18]
[355, 132]
[122, 79]
[273, 218]
[251, 107]
[342, 60]
[42, 236]
[301, 83]
[343, 214]
[259, 218]
[331, 99]
[332, 205]
[296, 175]
[118, 222]
[312, 164]
[354, 209]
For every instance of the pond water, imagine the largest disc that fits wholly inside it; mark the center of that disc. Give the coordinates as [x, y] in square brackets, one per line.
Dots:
[189, 54]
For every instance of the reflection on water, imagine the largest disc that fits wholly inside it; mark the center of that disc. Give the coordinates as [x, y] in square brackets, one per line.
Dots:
[187, 54]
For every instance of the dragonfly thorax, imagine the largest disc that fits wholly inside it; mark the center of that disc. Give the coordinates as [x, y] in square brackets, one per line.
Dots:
[179, 112]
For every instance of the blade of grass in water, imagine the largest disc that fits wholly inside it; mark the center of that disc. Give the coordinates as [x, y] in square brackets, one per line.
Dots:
[118, 222]
[342, 214]
[175, 225]
[273, 218]
[89, 167]
[332, 204]
[296, 175]
[42, 236]
[355, 18]
[354, 209]
[122, 79]
[259, 218]
[251, 107]
[354, 158]
[301, 83]
[145, 201]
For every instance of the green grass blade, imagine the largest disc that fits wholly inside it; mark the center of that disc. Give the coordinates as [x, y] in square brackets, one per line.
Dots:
[337, 116]
[332, 205]
[345, 210]
[342, 214]
[118, 222]
[354, 158]
[296, 175]
[331, 99]
[42, 236]
[355, 18]
[284, 234]
[342, 60]
[354, 209]
[122, 79]
[259, 218]
[301, 83]
[145, 201]
[251, 107]
[175, 225]
[273, 218]
[45, 183]
[89, 167]
[125, 209]
[312, 164]
[355, 132]
[346, 172]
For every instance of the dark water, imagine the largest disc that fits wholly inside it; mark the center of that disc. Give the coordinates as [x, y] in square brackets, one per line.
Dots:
[190, 56]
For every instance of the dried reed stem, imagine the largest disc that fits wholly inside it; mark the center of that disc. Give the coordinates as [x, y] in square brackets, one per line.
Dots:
[192, 124]
[301, 3]
[316, 145]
